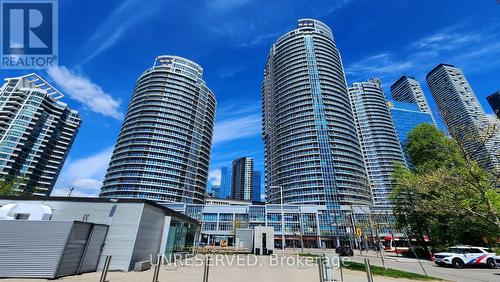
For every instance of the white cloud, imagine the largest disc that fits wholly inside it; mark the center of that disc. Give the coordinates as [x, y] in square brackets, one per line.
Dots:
[85, 175]
[471, 49]
[237, 128]
[260, 39]
[214, 176]
[108, 42]
[85, 91]
[64, 192]
[118, 23]
[378, 64]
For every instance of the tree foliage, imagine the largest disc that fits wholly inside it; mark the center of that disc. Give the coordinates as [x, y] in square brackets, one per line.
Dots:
[444, 195]
[8, 186]
[11, 187]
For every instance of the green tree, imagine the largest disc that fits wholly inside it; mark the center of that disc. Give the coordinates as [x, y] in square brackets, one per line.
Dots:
[7, 187]
[428, 149]
[445, 194]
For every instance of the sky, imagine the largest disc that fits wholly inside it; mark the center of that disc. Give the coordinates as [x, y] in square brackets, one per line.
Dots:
[105, 45]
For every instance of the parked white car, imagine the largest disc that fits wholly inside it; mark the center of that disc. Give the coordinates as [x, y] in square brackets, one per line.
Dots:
[460, 256]
[497, 261]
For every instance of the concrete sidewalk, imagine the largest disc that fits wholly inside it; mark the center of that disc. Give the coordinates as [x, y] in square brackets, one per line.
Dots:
[263, 271]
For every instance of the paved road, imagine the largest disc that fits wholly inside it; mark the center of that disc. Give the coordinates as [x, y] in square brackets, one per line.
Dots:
[411, 265]
[465, 275]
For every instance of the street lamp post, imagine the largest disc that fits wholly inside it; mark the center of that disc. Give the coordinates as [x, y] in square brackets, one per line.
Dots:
[282, 220]
[282, 217]
[301, 231]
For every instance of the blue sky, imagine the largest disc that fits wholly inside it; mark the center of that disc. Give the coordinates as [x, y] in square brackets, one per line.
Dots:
[105, 45]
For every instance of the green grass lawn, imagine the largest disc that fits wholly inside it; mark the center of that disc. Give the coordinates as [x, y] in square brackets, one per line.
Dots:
[309, 255]
[377, 270]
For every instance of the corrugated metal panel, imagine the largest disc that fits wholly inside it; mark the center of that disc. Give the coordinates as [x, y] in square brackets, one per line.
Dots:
[75, 246]
[32, 249]
[93, 249]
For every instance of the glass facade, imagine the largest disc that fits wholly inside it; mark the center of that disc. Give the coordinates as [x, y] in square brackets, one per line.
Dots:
[309, 221]
[36, 133]
[181, 237]
[407, 89]
[463, 115]
[256, 192]
[494, 101]
[407, 116]
[242, 179]
[312, 153]
[379, 141]
[225, 183]
[163, 149]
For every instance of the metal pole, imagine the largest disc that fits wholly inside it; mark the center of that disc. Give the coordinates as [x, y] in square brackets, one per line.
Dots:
[206, 268]
[320, 269]
[392, 233]
[369, 275]
[380, 246]
[282, 221]
[415, 253]
[341, 273]
[156, 273]
[105, 269]
[357, 239]
[301, 232]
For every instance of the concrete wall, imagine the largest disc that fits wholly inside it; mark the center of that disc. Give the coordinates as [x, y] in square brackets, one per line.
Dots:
[258, 234]
[149, 235]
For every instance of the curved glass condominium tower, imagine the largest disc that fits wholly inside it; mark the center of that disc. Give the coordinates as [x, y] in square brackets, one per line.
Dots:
[312, 152]
[378, 137]
[163, 150]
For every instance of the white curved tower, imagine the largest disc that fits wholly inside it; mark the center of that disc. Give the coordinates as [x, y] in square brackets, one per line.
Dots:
[377, 134]
[163, 150]
[311, 147]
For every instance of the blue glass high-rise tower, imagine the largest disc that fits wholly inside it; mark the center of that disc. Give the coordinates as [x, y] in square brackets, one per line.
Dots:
[225, 182]
[256, 186]
[407, 116]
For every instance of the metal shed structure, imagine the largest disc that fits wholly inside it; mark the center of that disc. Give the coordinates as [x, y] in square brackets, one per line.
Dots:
[49, 249]
[138, 229]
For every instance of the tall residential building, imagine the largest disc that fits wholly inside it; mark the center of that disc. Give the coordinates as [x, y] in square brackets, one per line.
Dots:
[256, 190]
[36, 133]
[163, 150]
[407, 116]
[242, 179]
[378, 137]
[463, 115]
[312, 152]
[214, 191]
[494, 101]
[407, 89]
[225, 183]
